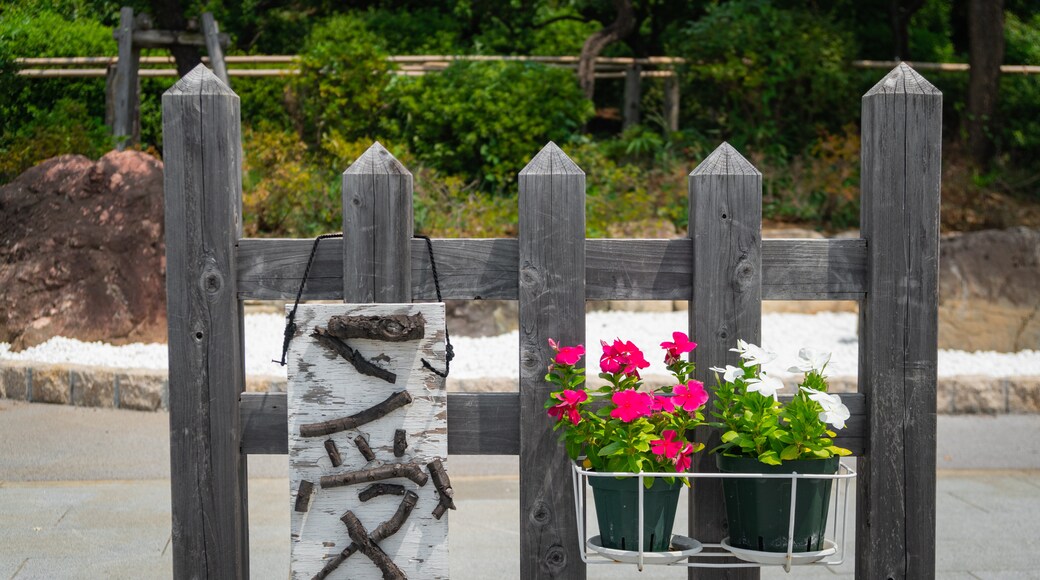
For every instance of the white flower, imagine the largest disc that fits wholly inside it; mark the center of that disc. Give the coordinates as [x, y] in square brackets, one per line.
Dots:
[730, 373]
[834, 412]
[810, 360]
[754, 355]
[766, 385]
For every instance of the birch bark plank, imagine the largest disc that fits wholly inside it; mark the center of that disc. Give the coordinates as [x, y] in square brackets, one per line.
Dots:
[324, 386]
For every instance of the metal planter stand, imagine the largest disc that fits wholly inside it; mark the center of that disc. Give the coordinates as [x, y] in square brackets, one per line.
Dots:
[845, 475]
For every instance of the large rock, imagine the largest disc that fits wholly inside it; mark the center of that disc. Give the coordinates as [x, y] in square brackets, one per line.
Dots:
[989, 290]
[81, 251]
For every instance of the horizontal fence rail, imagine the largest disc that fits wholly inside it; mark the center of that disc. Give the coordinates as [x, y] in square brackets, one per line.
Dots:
[478, 423]
[616, 269]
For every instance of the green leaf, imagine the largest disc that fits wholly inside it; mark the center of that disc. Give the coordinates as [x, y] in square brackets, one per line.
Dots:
[613, 449]
[729, 436]
[790, 452]
[769, 458]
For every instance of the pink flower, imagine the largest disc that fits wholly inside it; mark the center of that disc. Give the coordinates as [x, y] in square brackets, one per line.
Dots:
[663, 403]
[622, 357]
[683, 459]
[680, 345]
[667, 446]
[569, 406]
[690, 396]
[569, 355]
[631, 405]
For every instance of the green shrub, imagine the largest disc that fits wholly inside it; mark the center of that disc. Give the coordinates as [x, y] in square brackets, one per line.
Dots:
[285, 191]
[765, 76]
[486, 119]
[1020, 94]
[40, 118]
[64, 128]
[343, 74]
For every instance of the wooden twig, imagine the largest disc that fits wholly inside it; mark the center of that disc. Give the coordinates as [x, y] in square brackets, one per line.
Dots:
[411, 471]
[362, 445]
[400, 442]
[390, 526]
[443, 485]
[394, 401]
[394, 328]
[366, 546]
[378, 489]
[362, 364]
[333, 451]
[385, 530]
[303, 496]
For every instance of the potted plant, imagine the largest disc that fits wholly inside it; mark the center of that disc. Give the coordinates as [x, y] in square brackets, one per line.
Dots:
[626, 427]
[761, 435]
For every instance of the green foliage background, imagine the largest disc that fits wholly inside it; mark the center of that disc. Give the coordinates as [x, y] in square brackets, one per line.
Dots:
[772, 77]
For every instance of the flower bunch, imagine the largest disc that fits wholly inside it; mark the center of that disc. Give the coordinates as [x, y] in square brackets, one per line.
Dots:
[755, 424]
[623, 426]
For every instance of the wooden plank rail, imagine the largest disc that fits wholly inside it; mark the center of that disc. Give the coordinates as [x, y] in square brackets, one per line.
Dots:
[616, 269]
[478, 423]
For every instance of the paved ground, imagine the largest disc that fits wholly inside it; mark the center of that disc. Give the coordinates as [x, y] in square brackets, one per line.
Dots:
[84, 494]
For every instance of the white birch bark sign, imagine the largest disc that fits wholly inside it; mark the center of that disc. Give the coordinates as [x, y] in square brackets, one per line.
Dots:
[342, 394]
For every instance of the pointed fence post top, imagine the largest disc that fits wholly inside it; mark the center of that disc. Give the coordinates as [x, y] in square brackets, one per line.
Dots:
[903, 80]
[551, 160]
[200, 81]
[376, 160]
[725, 160]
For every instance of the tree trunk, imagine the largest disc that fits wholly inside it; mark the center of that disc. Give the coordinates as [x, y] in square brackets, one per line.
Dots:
[620, 28]
[169, 15]
[900, 12]
[986, 30]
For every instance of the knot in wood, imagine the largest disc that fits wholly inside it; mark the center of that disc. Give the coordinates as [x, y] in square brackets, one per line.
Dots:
[743, 274]
[540, 513]
[212, 281]
[556, 557]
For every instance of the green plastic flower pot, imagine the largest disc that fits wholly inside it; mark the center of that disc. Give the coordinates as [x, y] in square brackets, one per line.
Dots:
[759, 509]
[617, 511]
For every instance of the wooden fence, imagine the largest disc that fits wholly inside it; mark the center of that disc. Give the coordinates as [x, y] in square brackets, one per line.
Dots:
[723, 268]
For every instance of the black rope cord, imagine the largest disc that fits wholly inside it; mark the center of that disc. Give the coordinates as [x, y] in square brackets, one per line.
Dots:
[449, 352]
[290, 319]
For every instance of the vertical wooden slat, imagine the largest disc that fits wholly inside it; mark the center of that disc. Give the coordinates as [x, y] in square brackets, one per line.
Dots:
[633, 94]
[202, 153]
[213, 48]
[126, 125]
[902, 133]
[671, 103]
[377, 229]
[552, 305]
[726, 228]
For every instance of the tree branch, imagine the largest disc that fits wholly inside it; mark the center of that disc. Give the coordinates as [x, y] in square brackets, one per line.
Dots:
[620, 28]
[363, 365]
[394, 401]
[395, 328]
[411, 471]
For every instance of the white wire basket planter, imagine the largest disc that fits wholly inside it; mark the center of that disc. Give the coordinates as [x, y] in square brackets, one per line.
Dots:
[689, 553]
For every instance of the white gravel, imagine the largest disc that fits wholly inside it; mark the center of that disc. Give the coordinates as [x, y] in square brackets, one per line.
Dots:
[498, 356]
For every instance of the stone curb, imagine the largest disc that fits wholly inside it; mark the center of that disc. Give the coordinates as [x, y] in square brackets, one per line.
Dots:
[147, 389]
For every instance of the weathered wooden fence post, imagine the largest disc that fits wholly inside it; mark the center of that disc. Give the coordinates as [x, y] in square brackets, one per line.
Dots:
[203, 184]
[671, 101]
[901, 166]
[211, 31]
[126, 125]
[377, 229]
[726, 229]
[552, 305]
[633, 95]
